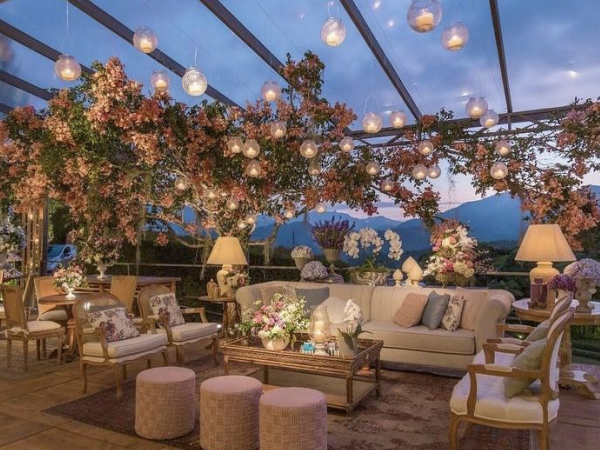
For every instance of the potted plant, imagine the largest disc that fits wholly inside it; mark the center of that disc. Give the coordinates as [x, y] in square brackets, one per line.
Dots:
[368, 244]
[586, 274]
[330, 235]
[302, 254]
[348, 338]
[67, 279]
[236, 280]
[102, 251]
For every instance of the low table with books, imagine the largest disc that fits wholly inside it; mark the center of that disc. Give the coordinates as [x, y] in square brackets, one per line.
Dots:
[338, 377]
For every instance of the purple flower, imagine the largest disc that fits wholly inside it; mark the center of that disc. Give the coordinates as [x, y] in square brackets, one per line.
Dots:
[314, 270]
[564, 282]
[331, 234]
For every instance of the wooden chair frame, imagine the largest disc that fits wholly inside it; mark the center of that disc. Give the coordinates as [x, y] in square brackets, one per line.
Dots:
[86, 334]
[151, 320]
[16, 319]
[548, 392]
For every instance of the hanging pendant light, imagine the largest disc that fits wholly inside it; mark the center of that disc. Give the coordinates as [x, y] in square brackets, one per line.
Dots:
[424, 15]
[270, 91]
[347, 144]
[253, 169]
[333, 32]
[145, 40]
[67, 68]
[251, 149]
[397, 119]
[235, 145]
[426, 147]
[455, 36]
[242, 224]
[194, 82]
[372, 122]
[320, 207]
[211, 194]
[232, 203]
[387, 185]
[160, 81]
[251, 219]
[434, 172]
[278, 129]
[289, 212]
[309, 149]
[489, 119]
[181, 183]
[419, 172]
[476, 107]
[503, 148]
[499, 171]
[314, 168]
[372, 168]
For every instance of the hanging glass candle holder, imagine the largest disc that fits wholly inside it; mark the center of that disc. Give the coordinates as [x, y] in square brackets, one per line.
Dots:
[333, 32]
[211, 194]
[424, 15]
[455, 36]
[309, 149]
[320, 207]
[397, 119]
[160, 81]
[278, 129]
[419, 172]
[499, 171]
[232, 203]
[434, 172]
[387, 185]
[426, 147]
[242, 224]
[145, 40]
[372, 168]
[289, 212]
[270, 91]
[181, 183]
[251, 149]
[476, 107]
[503, 148]
[489, 119]
[251, 219]
[67, 68]
[253, 169]
[347, 144]
[194, 82]
[372, 122]
[235, 145]
[314, 168]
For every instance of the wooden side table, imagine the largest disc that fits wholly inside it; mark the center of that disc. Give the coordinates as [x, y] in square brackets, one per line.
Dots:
[568, 376]
[230, 310]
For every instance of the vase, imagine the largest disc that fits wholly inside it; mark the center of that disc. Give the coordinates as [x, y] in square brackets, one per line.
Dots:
[301, 262]
[70, 294]
[451, 278]
[332, 255]
[585, 289]
[348, 346]
[276, 344]
[371, 278]
[102, 270]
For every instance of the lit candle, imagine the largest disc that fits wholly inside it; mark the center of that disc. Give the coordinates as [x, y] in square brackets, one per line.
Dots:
[489, 123]
[146, 45]
[476, 111]
[455, 43]
[424, 21]
[160, 85]
[270, 95]
[319, 331]
[332, 38]
[398, 122]
[251, 152]
[195, 89]
[67, 74]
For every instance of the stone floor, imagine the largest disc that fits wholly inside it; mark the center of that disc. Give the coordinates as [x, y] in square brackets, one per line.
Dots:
[23, 397]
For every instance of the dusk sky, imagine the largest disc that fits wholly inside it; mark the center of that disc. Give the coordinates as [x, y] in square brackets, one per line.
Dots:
[547, 64]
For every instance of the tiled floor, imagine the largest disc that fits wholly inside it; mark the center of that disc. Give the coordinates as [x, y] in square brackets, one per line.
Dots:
[23, 397]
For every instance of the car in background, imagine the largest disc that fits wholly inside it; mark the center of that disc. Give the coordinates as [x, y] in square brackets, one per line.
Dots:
[60, 254]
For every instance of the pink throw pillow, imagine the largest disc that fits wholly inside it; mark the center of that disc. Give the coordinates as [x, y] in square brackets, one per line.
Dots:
[411, 310]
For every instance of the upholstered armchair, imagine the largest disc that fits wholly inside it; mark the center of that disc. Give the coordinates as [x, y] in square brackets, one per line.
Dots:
[123, 287]
[96, 349]
[44, 288]
[480, 396]
[182, 334]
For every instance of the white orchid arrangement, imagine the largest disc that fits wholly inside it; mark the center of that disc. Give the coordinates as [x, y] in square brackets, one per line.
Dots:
[353, 317]
[367, 242]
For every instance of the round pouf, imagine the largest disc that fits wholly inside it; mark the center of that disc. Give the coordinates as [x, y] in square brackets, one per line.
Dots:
[293, 419]
[165, 406]
[229, 413]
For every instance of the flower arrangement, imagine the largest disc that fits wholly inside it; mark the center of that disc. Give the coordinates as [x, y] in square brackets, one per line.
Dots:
[236, 280]
[454, 253]
[368, 243]
[302, 252]
[563, 282]
[585, 269]
[12, 238]
[331, 234]
[102, 250]
[314, 270]
[69, 278]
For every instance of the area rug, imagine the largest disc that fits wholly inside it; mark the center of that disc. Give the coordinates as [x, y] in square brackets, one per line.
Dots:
[411, 414]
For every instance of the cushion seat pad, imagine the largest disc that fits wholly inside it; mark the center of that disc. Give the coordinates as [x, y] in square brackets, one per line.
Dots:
[193, 330]
[118, 349]
[421, 338]
[40, 326]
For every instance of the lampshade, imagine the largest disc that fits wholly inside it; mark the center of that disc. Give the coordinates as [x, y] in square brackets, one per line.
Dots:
[544, 242]
[227, 250]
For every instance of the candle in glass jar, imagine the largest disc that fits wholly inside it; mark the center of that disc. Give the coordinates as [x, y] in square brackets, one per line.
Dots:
[455, 42]
[424, 21]
[146, 45]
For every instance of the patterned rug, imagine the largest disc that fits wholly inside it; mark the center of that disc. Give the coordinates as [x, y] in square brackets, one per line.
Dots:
[411, 414]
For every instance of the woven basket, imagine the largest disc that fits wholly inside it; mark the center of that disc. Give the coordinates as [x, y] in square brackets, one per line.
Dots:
[451, 279]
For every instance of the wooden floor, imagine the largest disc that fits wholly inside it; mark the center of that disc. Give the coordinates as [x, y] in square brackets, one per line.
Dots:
[23, 397]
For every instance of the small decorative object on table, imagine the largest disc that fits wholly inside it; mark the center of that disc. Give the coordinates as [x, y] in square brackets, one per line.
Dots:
[413, 271]
[398, 276]
[212, 289]
[101, 251]
[302, 254]
[67, 279]
[227, 252]
[330, 235]
[586, 274]
[348, 338]
[236, 280]
[314, 271]
[558, 286]
[538, 294]
[320, 329]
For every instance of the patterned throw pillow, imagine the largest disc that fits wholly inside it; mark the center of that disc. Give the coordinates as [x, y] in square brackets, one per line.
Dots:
[451, 319]
[529, 359]
[167, 304]
[115, 322]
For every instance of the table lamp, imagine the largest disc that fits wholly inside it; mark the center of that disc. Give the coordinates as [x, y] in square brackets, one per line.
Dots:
[226, 252]
[544, 244]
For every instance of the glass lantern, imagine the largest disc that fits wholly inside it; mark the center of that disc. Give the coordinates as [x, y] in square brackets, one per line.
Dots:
[278, 129]
[320, 329]
[503, 148]
[289, 212]
[419, 172]
[251, 219]
[455, 36]
[232, 203]
[235, 145]
[499, 171]
[181, 183]
[476, 107]
[314, 168]
[242, 224]
[251, 149]
[434, 172]
[309, 149]
[270, 91]
[387, 185]
[253, 169]
[211, 194]
[489, 119]
[372, 122]
[333, 32]
[397, 119]
[424, 15]
[67, 68]
[347, 144]
[160, 81]
[320, 207]
[194, 82]
[426, 147]
[145, 40]
[372, 168]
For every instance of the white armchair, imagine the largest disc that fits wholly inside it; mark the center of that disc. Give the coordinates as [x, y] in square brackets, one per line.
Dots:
[479, 396]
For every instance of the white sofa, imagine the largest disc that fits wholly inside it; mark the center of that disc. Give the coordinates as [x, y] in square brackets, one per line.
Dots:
[415, 345]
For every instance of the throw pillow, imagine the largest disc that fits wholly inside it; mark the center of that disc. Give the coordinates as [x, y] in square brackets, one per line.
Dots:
[411, 310]
[335, 309]
[451, 319]
[540, 332]
[267, 292]
[166, 304]
[115, 322]
[474, 303]
[435, 310]
[313, 296]
[528, 359]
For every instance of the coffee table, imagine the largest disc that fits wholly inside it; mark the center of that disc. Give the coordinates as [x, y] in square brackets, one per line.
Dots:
[337, 377]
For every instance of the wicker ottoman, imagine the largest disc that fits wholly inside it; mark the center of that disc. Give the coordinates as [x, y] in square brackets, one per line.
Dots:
[229, 413]
[293, 419]
[165, 405]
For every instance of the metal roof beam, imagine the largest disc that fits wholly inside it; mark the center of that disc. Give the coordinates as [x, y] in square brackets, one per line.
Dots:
[26, 86]
[384, 62]
[30, 42]
[501, 54]
[118, 28]
[5, 108]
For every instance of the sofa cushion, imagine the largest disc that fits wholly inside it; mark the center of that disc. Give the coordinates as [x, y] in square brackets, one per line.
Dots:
[313, 296]
[435, 310]
[411, 310]
[115, 322]
[118, 349]
[421, 338]
[166, 304]
[529, 359]
[335, 309]
[41, 326]
[540, 332]
[451, 319]
[193, 330]
[474, 302]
